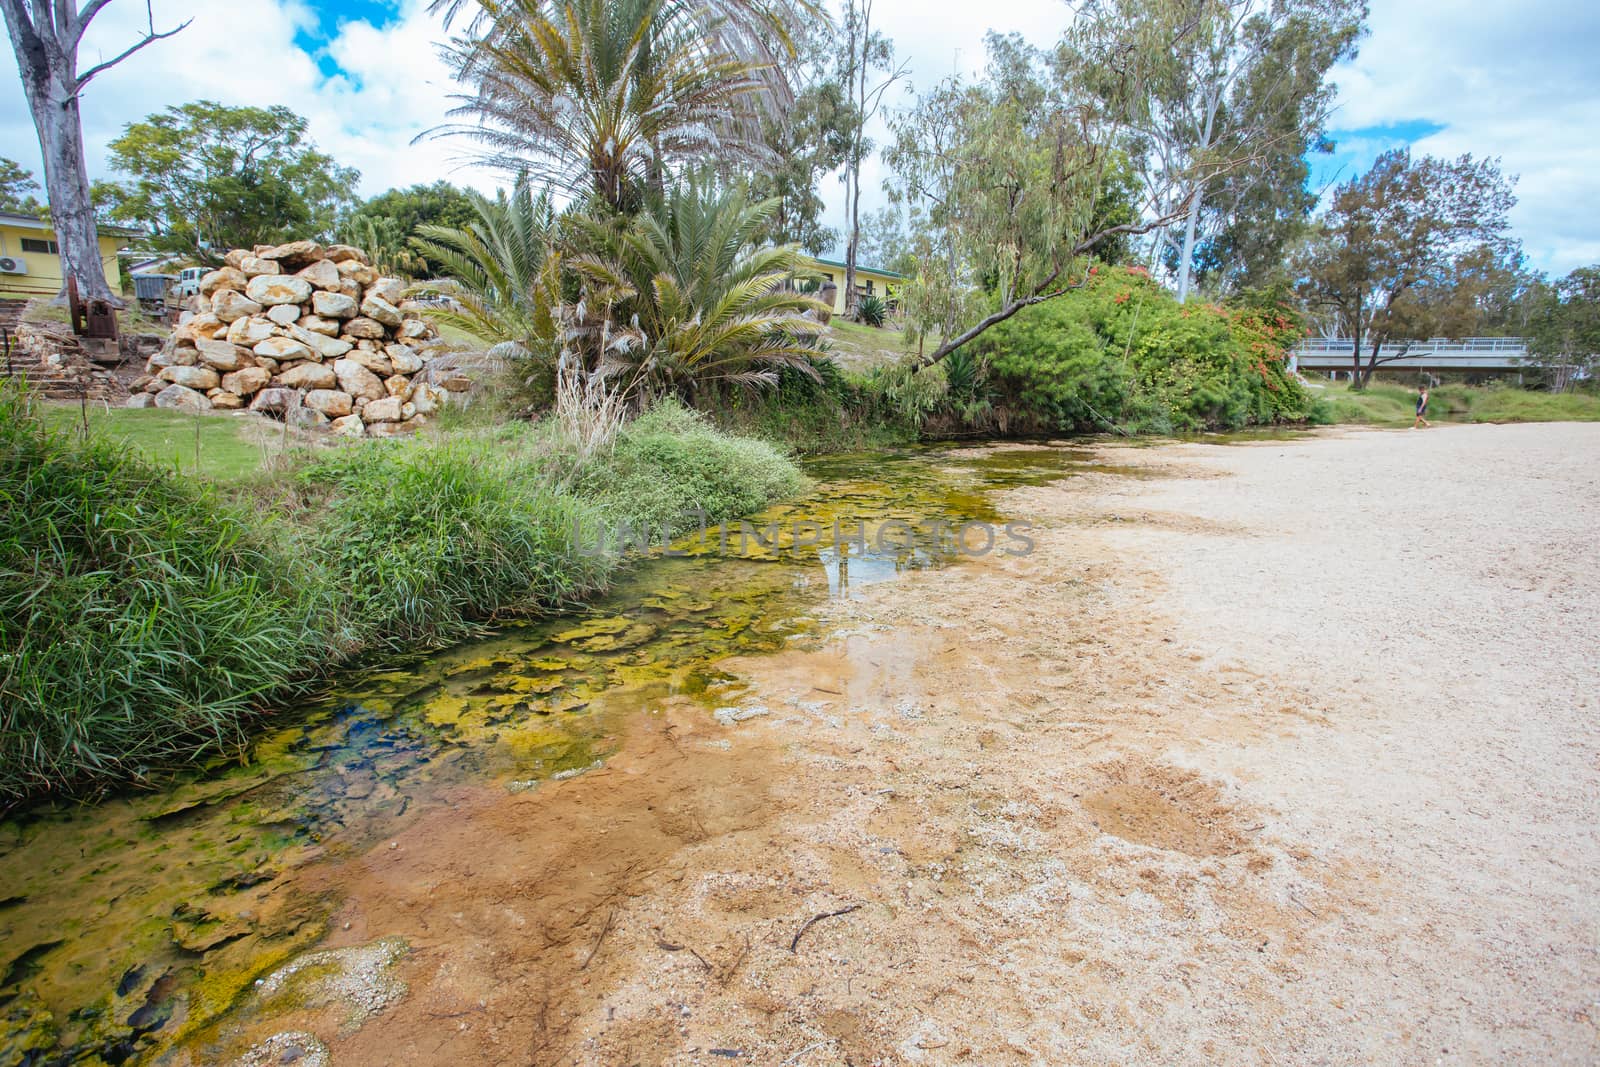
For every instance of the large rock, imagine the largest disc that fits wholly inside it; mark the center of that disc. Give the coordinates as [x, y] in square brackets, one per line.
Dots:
[330, 347]
[220, 355]
[270, 289]
[178, 356]
[275, 401]
[364, 328]
[201, 378]
[257, 267]
[349, 426]
[284, 314]
[321, 275]
[375, 363]
[330, 402]
[380, 310]
[247, 380]
[251, 331]
[427, 398]
[181, 398]
[358, 272]
[205, 326]
[334, 305]
[284, 349]
[226, 278]
[295, 254]
[308, 376]
[358, 380]
[230, 306]
[403, 359]
[318, 324]
[390, 290]
[385, 410]
[414, 330]
[222, 400]
[340, 253]
[398, 385]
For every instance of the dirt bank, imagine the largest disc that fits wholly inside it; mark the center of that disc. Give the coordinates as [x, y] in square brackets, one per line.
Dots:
[1282, 753]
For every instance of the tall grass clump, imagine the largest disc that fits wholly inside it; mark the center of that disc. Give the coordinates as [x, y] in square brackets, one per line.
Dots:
[141, 616]
[426, 541]
[670, 463]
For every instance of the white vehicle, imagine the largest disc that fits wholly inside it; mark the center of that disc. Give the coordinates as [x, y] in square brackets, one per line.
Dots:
[188, 283]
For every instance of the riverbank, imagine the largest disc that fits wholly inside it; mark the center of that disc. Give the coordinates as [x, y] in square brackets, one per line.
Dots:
[1277, 751]
[152, 609]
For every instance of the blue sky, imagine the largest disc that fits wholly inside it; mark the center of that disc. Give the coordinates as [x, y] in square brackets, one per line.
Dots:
[330, 15]
[1354, 151]
[1517, 82]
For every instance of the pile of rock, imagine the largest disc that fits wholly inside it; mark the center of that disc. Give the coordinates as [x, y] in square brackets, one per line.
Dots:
[304, 333]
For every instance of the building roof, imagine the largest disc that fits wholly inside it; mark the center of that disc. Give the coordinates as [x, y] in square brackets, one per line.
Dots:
[859, 266]
[34, 222]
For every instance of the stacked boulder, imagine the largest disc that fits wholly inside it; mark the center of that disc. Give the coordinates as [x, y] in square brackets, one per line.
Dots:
[303, 333]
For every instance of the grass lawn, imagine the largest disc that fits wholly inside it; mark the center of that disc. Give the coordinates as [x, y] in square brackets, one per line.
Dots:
[859, 347]
[222, 447]
[1388, 405]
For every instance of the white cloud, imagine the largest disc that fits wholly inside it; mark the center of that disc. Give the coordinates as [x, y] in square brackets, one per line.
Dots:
[392, 86]
[1515, 81]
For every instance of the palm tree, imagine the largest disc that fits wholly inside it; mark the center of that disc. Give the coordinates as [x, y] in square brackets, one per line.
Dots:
[604, 96]
[502, 273]
[702, 302]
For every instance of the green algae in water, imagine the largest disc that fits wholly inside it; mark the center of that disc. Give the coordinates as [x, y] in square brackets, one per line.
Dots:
[137, 924]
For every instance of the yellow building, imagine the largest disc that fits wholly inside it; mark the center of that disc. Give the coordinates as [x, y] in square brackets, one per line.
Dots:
[870, 281]
[30, 262]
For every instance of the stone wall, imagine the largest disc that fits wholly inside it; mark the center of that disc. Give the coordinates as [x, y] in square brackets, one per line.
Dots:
[304, 333]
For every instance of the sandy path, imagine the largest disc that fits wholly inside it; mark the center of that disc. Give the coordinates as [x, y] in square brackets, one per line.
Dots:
[1286, 753]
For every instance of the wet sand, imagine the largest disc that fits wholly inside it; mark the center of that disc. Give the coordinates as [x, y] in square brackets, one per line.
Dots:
[1282, 753]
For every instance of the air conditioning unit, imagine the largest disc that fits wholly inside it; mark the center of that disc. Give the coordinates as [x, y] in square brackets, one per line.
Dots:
[12, 265]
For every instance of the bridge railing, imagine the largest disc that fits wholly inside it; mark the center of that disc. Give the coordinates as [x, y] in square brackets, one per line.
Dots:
[1438, 346]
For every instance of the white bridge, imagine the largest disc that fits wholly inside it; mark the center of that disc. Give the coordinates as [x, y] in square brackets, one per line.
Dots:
[1439, 354]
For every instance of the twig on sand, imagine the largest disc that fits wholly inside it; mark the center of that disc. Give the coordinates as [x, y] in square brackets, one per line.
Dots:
[611, 917]
[809, 1048]
[793, 945]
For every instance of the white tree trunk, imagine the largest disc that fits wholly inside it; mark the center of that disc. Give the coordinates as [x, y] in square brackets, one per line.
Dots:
[1192, 224]
[66, 177]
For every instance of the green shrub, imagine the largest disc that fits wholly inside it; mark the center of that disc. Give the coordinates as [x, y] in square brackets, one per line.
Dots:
[671, 461]
[872, 310]
[1121, 352]
[141, 616]
[425, 541]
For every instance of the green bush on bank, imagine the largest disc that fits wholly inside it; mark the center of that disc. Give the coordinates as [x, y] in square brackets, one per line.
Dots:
[671, 462]
[1122, 352]
[144, 618]
[141, 616]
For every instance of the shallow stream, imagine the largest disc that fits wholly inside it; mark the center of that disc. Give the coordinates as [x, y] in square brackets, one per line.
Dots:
[128, 926]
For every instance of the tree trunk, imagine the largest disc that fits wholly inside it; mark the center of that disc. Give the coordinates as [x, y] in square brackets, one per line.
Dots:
[1356, 383]
[50, 83]
[66, 176]
[1186, 259]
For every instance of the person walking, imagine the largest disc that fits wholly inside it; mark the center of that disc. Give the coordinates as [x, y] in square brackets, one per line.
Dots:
[1422, 407]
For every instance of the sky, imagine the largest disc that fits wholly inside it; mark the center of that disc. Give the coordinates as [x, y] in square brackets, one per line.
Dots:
[1514, 81]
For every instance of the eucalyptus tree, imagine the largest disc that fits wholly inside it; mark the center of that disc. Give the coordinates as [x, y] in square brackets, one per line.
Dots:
[1012, 175]
[46, 37]
[1562, 327]
[865, 54]
[1405, 250]
[1231, 109]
